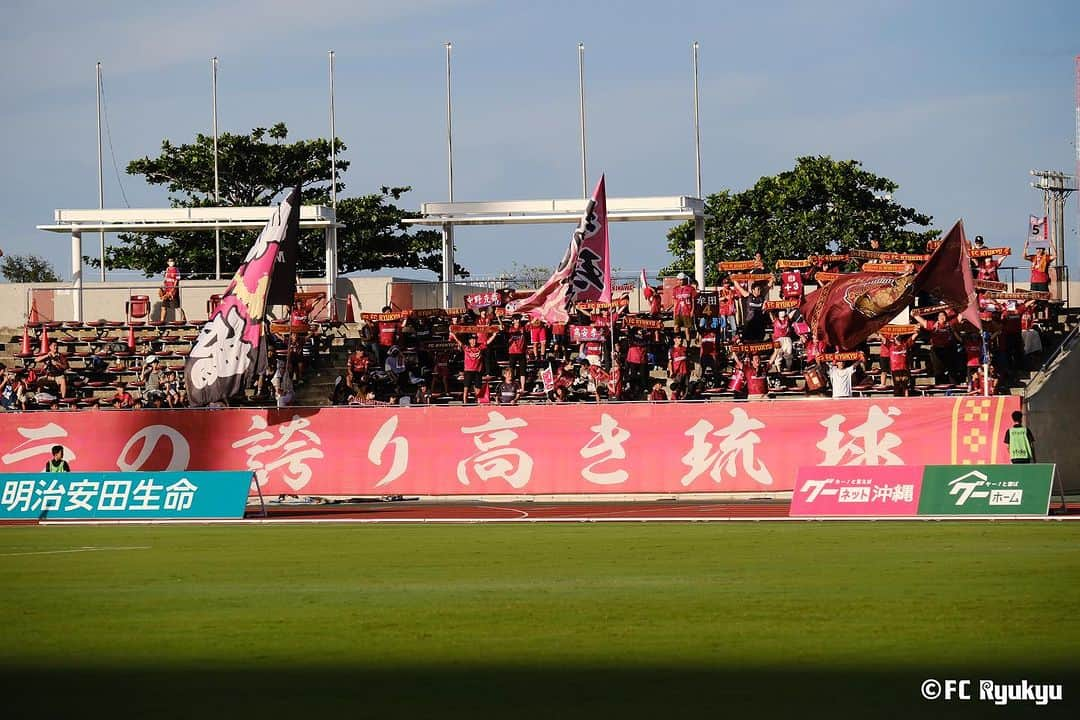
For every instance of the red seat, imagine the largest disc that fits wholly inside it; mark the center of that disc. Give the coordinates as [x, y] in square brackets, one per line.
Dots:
[138, 309]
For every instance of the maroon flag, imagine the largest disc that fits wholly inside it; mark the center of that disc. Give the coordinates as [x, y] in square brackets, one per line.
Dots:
[947, 275]
[851, 308]
[583, 274]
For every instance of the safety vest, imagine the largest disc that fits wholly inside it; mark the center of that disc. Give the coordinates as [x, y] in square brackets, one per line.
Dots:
[1019, 447]
[52, 467]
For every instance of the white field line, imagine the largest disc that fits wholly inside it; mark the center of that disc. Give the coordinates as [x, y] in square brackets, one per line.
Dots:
[594, 519]
[75, 550]
[522, 513]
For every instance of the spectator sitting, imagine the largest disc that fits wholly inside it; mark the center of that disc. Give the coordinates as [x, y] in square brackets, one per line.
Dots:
[658, 394]
[122, 398]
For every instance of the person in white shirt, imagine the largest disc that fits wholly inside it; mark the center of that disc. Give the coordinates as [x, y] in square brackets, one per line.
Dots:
[282, 384]
[840, 379]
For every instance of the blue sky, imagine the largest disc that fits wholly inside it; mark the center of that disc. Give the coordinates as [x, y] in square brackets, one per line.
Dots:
[955, 101]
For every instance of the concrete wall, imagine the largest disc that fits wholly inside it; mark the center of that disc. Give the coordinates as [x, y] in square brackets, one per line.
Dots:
[1053, 410]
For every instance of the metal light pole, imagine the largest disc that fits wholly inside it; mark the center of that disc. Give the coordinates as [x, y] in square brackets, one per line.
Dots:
[100, 176]
[217, 190]
[581, 111]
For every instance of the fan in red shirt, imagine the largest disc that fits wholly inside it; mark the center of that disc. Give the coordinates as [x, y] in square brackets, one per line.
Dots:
[515, 349]
[988, 269]
[356, 372]
[900, 348]
[637, 362]
[942, 343]
[726, 309]
[973, 352]
[678, 368]
[684, 297]
[474, 365]
[538, 339]
[708, 349]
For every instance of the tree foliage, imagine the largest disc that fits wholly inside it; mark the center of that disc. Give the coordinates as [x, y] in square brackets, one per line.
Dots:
[27, 269]
[256, 170]
[822, 206]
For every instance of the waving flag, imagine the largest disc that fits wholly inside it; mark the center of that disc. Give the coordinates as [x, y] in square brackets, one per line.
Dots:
[851, 308]
[230, 348]
[646, 289]
[584, 273]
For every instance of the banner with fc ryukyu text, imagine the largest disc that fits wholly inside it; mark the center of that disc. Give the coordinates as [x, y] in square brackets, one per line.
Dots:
[529, 449]
[923, 491]
[124, 495]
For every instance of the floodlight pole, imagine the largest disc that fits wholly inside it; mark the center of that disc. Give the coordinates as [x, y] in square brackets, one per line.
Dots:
[447, 229]
[581, 113]
[100, 176]
[217, 190]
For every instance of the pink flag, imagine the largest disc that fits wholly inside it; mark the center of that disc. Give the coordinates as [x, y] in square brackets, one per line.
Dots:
[584, 273]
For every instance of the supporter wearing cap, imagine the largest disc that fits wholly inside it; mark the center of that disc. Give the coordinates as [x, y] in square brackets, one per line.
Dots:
[152, 376]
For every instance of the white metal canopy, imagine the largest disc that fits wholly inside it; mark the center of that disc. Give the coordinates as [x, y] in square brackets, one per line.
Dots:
[75, 222]
[676, 208]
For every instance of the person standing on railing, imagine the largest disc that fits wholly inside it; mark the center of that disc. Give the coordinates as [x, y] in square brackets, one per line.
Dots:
[170, 291]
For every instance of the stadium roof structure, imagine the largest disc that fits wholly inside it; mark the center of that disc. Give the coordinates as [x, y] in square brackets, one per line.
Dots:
[76, 222]
[447, 215]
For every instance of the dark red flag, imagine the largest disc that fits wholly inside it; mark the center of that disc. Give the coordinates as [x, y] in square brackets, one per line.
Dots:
[851, 308]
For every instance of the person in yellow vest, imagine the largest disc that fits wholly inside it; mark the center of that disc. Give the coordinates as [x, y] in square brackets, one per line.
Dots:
[1020, 441]
[57, 463]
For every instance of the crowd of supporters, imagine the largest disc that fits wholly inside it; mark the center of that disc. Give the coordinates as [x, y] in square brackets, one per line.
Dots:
[743, 338]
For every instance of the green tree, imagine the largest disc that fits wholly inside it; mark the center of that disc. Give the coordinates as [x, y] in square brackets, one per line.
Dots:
[27, 269]
[255, 170]
[822, 206]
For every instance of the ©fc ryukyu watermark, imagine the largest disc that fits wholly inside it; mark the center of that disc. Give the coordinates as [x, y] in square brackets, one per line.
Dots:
[998, 693]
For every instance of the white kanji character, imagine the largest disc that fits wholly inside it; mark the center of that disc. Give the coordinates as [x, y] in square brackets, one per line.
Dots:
[385, 438]
[146, 495]
[903, 493]
[300, 473]
[81, 494]
[608, 441]
[180, 495]
[872, 450]
[114, 495]
[738, 442]
[18, 492]
[47, 435]
[496, 459]
[147, 439]
[52, 496]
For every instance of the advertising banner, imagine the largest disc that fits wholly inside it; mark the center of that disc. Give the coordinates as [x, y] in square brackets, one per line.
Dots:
[987, 490]
[528, 449]
[930, 491]
[123, 496]
[855, 491]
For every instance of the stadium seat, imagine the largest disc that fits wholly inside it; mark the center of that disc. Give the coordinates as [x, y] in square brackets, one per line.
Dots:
[212, 303]
[137, 309]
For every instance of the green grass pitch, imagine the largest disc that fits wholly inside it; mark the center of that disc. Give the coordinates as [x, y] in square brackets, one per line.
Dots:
[577, 620]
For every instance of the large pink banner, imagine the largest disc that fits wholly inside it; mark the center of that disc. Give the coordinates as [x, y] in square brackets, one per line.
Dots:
[536, 450]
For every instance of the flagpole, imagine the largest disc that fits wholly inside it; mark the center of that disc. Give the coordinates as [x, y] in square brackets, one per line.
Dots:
[217, 189]
[448, 230]
[697, 121]
[100, 176]
[581, 112]
[699, 222]
[331, 232]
